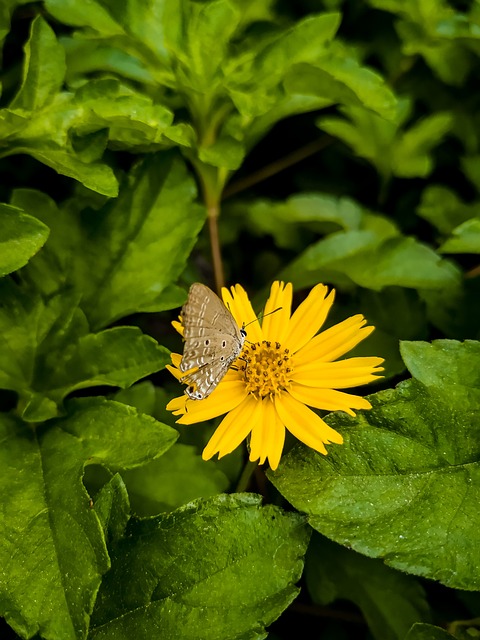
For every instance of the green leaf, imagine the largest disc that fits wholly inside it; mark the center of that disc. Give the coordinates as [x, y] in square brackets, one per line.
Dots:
[44, 68]
[224, 152]
[114, 357]
[22, 318]
[93, 175]
[21, 236]
[87, 56]
[49, 270]
[371, 259]
[133, 120]
[170, 482]
[255, 10]
[471, 167]
[444, 209]
[140, 242]
[287, 221]
[341, 79]
[397, 314]
[304, 42]
[465, 238]
[412, 156]
[208, 32]
[142, 396]
[435, 31]
[389, 600]
[393, 152]
[47, 351]
[84, 13]
[455, 309]
[406, 484]
[112, 506]
[421, 631]
[176, 572]
[52, 545]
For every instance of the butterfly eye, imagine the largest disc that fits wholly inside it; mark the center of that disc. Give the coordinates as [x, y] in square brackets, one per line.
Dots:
[207, 342]
[224, 344]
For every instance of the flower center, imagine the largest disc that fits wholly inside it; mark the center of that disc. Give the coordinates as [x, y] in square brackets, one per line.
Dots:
[266, 368]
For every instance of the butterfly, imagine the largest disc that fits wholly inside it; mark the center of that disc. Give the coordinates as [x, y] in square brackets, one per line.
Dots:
[212, 341]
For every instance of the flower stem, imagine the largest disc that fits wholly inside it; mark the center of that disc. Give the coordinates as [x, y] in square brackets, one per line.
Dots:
[279, 165]
[213, 213]
[244, 479]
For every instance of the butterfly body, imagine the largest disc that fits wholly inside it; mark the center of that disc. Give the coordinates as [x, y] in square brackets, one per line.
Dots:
[212, 341]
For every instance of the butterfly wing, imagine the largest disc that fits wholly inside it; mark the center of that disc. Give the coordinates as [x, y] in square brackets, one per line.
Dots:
[210, 331]
[204, 380]
[212, 341]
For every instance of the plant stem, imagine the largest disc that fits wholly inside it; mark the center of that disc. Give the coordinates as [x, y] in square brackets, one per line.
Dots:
[213, 212]
[279, 165]
[473, 273]
[247, 472]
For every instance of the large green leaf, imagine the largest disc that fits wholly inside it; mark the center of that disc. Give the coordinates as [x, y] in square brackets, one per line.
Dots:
[177, 571]
[21, 236]
[47, 351]
[52, 545]
[139, 243]
[406, 484]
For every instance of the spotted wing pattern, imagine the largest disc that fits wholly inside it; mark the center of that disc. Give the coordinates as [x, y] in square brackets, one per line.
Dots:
[212, 341]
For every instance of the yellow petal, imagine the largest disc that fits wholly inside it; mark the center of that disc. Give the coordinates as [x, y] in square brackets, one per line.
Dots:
[304, 424]
[178, 326]
[176, 359]
[328, 399]
[308, 318]
[227, 396]
[336, 341]
[268, 437]
[174, 371]
[259, 435]
[275, 325]
[234, 428]
[177, 405]
[351, 372]
[241, 308]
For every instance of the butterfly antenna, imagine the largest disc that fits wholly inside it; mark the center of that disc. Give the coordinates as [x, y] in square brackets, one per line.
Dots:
[262, 315]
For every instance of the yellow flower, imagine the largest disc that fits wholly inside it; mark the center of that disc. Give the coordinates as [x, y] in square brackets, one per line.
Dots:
[283, 367]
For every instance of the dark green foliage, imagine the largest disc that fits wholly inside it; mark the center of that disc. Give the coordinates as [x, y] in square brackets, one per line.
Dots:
[123, 127]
